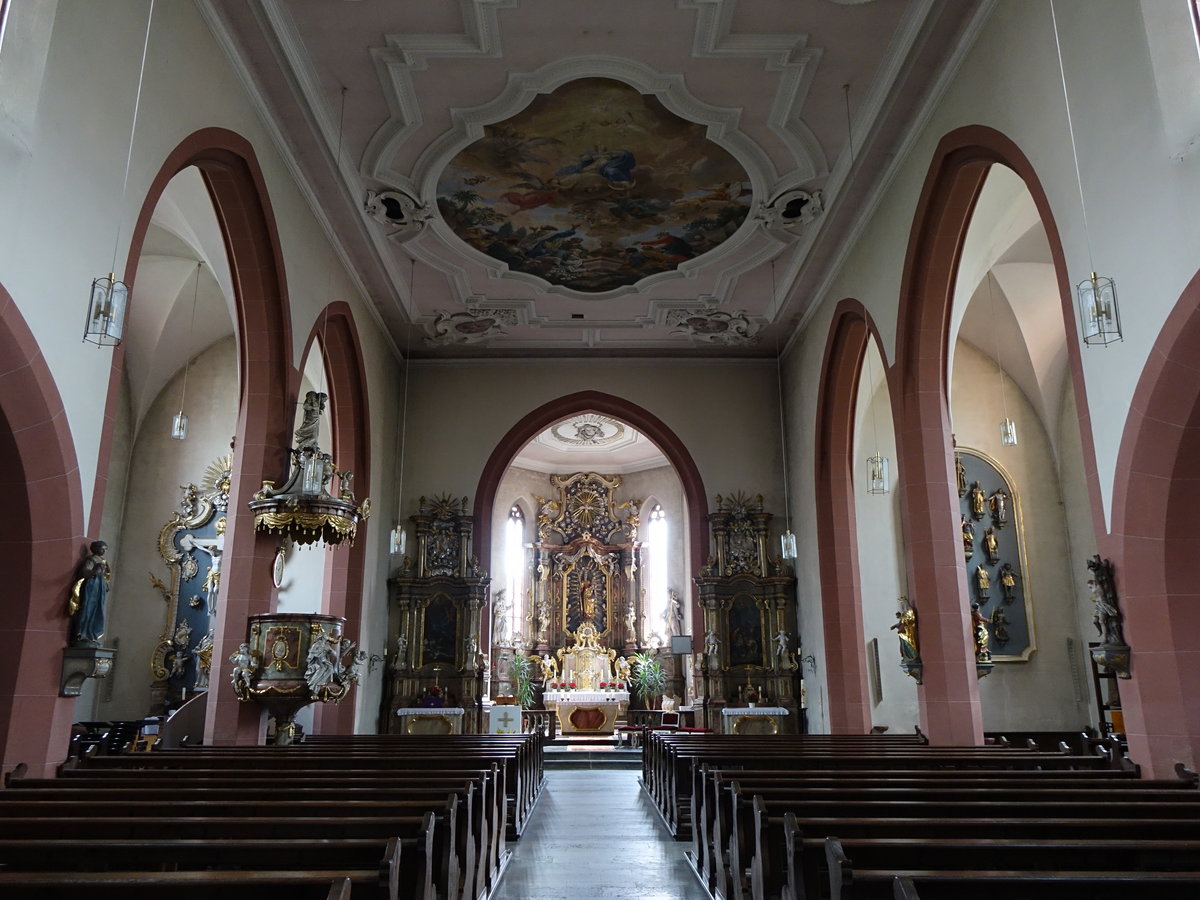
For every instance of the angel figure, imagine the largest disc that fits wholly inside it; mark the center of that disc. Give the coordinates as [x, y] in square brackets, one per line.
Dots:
[621, 667]
[549, 667]
[244, 667]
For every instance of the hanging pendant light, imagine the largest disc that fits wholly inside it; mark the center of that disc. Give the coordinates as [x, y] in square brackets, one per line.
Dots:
[108, 298]
[787, 540]
[179, 421]
[1099, 317]
[878, 470]
[1008, 428]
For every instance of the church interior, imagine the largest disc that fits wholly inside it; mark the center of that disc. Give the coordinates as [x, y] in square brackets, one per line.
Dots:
[811, 367]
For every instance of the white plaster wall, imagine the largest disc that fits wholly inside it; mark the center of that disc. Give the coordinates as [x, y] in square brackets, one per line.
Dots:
[881, 571]
[158, 466]
[726, 413]
[1045, 693]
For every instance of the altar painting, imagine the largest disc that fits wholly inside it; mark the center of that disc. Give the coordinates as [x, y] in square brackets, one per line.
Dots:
[439, 631]
[745, 632]
[594, 186]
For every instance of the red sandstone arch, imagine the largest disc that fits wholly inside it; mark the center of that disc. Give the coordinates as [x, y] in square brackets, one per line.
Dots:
[615, 407]
[1155, 544]
[949, 697]
[837, 542]
[337, 336]
[238, 190]
[41, 543]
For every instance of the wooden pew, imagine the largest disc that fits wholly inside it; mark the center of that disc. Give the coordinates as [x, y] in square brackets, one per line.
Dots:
[198, 885]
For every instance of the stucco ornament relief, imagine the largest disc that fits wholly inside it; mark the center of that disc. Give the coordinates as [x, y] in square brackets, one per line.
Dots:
[463, 328]
[588, 431]
[790, 213]
[719, 328]
[397, 210]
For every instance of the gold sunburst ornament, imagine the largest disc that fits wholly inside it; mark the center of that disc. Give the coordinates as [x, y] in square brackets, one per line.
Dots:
[304, 509]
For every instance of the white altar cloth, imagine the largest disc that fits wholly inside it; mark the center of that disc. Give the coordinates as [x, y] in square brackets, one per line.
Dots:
[755, 711]
[425, 719]
[586, 696]
[430, 711]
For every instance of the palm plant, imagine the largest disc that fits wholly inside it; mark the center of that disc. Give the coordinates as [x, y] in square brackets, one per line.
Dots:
[648, 677]
[524, 689]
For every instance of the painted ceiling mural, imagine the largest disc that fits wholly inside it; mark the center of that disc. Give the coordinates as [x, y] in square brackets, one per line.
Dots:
[592, 187]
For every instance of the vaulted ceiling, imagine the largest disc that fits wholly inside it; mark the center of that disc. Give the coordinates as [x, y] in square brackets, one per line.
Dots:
[592, 177]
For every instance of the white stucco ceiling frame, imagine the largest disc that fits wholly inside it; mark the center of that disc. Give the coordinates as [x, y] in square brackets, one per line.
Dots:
[519, 91]
[787, 54]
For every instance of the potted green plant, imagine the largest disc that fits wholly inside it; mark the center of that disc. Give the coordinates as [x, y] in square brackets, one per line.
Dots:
[647, 678]
[522, 670]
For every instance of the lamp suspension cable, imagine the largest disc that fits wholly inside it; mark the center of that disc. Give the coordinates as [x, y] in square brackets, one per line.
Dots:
[337, 167]
[877, 464]
[787, 540]
[1100, 317]
[849, 127]
[179, 422]
[1008, 428]
[108, 300]
[399, 539]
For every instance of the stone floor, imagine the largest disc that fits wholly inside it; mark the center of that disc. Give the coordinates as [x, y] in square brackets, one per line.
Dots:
[595, 835]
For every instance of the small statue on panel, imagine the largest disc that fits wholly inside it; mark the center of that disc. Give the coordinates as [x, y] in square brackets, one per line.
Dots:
[979, 625]
[960, 475]
[1008, 582]
[978, 501]
[983, 583]
[712, 648]
[998, 506]
[1106, 617]
[783, 656]
[549, 668]
[991, 546]
[906, 631]
[244, 668]
[968, 536]
[1000, 626]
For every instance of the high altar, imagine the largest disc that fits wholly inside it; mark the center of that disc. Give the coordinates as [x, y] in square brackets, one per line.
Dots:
[587, 707]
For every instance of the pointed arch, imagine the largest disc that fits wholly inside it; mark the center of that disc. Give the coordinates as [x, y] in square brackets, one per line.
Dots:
[41, 543]
[647, 423]
[949, 697]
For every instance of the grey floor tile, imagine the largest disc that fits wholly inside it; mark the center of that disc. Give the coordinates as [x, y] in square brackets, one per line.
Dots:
[595, 836]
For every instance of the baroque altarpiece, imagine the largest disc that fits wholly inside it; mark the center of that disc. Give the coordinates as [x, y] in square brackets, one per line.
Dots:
[749, 603]
[436, 601]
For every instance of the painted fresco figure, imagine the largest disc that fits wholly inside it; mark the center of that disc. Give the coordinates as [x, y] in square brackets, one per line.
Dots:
[89, 594]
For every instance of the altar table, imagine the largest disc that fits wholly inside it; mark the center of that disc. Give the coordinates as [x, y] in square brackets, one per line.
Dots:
[752, 719]
[430, 719]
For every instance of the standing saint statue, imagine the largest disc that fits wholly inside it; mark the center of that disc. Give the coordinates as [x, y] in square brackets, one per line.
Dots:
[990, 545]
[673, 614]
[998, 504]
[978, 501]
[960, 475]
[906, 631]
[968, 538]
[310, 425]
[89, 594]
[979, 625]
[1008, 582]
[983, 582]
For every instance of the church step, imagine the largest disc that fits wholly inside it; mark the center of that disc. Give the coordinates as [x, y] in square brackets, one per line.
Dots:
[563, 758]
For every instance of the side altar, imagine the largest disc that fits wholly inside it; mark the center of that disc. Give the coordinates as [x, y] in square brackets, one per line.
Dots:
[586, 697]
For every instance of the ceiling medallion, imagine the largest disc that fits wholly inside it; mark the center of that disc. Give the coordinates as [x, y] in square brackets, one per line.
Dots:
[588, 431]
[398, 210]
[792, 212]
[464, 328]
[593, 187]
[303, 509]
[719, 328]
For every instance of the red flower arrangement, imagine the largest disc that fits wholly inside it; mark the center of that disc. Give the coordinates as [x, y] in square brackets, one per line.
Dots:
[603, 685]
[751, 696]
[572, 685]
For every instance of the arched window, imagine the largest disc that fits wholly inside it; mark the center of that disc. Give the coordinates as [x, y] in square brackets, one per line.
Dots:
[515, 571]
[656, 575]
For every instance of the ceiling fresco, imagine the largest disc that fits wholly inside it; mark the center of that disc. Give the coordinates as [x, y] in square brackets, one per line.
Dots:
[593, 187]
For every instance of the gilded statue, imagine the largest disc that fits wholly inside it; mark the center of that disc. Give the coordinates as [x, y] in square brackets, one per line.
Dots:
[990, 545]
[968, 537]
[89, 593]
[1008, 582]
[983, 582]
[979, 625]
[978, 501]
[906, 631]
[622, 668]
[960, 475]
[998, 505]
[587, 601]
[549, 667]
